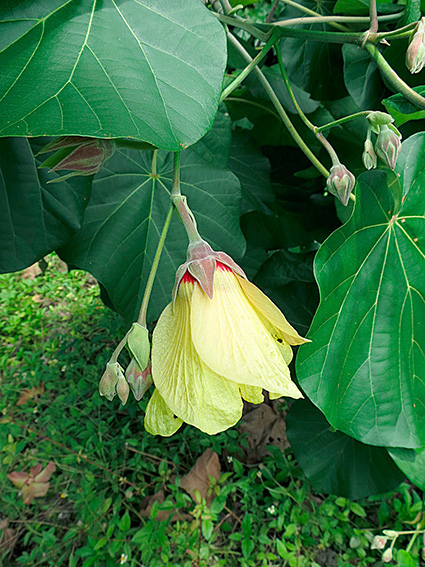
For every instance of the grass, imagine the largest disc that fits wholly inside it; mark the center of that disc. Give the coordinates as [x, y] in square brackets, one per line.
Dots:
[99, 510]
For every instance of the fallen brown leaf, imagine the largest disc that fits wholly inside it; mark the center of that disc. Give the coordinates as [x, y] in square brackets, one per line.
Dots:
[198, 478]
[8, 537]
[29, 394]
[31, 272]
[264, 425]
[148, 502]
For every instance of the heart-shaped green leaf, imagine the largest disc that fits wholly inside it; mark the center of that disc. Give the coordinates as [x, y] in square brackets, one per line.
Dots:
[35, 218]
[365, 366]
[336, 463]
[125, 216]
[145, 69]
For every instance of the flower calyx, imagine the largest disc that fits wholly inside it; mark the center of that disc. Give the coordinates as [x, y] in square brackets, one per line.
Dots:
[201, 264]
[341, 183]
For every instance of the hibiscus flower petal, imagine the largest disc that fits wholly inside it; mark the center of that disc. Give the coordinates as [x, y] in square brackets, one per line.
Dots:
[194, 392]
[252, 394]
[269, 310]
[231, 339]
[159, 419]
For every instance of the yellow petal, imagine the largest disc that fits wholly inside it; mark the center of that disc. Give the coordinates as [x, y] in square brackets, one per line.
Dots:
[159, 419]
[269, 310]
[231, 339]
[252, 394]
[189, 387]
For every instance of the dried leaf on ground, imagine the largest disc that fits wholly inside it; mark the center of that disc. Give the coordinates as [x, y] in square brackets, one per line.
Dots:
[149, 501]
[264, 425]
[29, 394]
[33, 484]
[31, 272]
[8, 537]
[198, 478]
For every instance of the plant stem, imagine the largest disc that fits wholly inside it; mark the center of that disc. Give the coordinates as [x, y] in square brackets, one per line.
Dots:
[393, 78]
[400, 33]
[234, 84]
[179, 202]
[279, 108]
[312, 13]
[298, 108]
[342, 120]
[149, 284]
[373, 14]
[154, 268]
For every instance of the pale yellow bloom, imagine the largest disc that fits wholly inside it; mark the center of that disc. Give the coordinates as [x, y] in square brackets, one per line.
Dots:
[210, 352]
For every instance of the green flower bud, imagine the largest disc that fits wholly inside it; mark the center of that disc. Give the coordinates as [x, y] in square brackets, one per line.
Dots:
[109, 380]
[138, 380]
[388, 145]
[415, 54]
[387, 555]
[122, 388]
[377, 119]
[369, 155]
[139, 345]
[341, 183]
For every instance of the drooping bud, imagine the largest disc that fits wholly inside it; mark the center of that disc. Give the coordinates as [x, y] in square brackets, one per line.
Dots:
[341, 183]
[379, 542]
[415, 54]
[80, 155]
[369, 156]
[387, 555]
[138, 380]
[139, 345]
[388, 145]
[109, 380]
[122, 388]
[378, 119]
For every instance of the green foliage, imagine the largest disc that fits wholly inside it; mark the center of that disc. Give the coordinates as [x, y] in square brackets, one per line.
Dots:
[143, 80]
[369, 273]
[56, 213]
[335, 463]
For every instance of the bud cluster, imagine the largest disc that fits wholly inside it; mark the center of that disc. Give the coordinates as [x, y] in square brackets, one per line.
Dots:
[388, 141]
[137, 377]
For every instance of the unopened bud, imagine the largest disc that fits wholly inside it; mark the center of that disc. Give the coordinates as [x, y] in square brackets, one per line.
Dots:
[122, 389]
[379, 542]
[138, 343]
[341, 183]
[138, 380]
[82, 156]
[387, 555]
[109, 380]
[369, 156]
[378, 119]
[415, 54]
[390, 533]
[388, 145]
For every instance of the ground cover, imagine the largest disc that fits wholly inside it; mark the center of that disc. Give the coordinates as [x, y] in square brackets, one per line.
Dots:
[118, 495]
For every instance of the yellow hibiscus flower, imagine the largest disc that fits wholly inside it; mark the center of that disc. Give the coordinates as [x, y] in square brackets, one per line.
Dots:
[221, 340]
